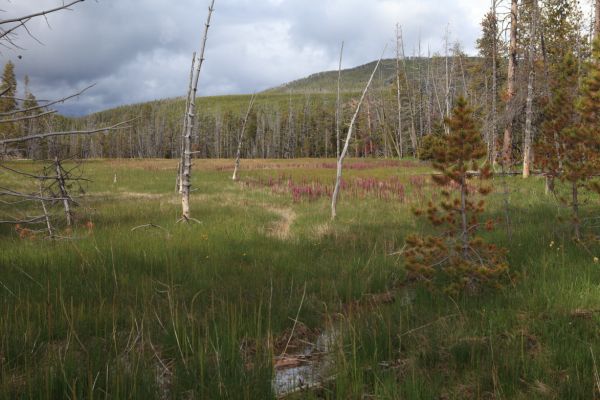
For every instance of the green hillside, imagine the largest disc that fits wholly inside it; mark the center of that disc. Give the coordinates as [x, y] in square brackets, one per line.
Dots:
[355, 79]
[297, 119]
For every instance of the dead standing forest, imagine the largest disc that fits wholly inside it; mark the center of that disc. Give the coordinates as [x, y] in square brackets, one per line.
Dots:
[461, 260]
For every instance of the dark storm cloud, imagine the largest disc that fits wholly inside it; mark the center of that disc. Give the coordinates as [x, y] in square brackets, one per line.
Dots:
[138, 50]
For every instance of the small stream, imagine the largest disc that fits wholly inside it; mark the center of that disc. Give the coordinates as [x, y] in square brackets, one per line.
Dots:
[314, 365]
[307, 369]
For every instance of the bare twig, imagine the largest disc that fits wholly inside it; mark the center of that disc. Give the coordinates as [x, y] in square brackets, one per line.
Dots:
[295, 322]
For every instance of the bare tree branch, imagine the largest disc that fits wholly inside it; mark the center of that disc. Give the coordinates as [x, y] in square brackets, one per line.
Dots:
[121, 125]
[28, 117]
[59, 101]
[25, 18]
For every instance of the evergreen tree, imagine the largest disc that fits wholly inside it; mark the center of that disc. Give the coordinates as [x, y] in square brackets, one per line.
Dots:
[9, 89]
[559, 120]
[457, 260]
[582, 144]
[561, 26]
[8, 102]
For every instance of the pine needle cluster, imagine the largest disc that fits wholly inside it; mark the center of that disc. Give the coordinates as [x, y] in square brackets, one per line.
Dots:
[457, 260]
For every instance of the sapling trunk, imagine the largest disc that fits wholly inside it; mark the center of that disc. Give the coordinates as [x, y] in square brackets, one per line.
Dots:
[575, 205]
[463, 214]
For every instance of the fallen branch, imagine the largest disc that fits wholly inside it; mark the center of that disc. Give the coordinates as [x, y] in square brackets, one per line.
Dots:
[150, 226]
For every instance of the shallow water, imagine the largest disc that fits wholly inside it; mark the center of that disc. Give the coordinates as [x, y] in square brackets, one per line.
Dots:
[313, 367]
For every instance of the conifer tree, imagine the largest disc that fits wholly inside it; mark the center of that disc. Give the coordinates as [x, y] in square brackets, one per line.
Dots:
[559, 120]
[8, 102]
[457, 259]
[582, 144]
[8, 88]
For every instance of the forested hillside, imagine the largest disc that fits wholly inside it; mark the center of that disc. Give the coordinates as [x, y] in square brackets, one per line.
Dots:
[296, 119]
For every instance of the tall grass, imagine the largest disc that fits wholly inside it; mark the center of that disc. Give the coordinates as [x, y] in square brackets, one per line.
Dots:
[199, 310]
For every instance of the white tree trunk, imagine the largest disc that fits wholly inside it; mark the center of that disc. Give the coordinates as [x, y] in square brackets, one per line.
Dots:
[494, 136]
[597, 23]
[238, 154]
[447, 94]
[63, 191]
[411, 100]
[190, 125]
[512, 76]
[185, 120]
[338, 111]
[530, 94]
[399, 145]
[340, 162]
[46, 215]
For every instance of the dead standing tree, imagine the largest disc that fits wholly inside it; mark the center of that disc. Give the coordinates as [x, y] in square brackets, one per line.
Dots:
[238, 153]
[398, 144]
[338, 110]
[597, 20]
[340, 162]
[186, 173]
[530, 92]
[185, 120]
[55, 186]
[511, 91]
[53, 182]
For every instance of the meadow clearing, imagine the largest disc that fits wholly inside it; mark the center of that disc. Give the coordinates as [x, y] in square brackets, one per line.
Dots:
[212, 309]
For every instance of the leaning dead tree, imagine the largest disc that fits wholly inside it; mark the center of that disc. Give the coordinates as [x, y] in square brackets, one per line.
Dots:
[186, 173]
[340, 162]
[338, 110]
[238, 153]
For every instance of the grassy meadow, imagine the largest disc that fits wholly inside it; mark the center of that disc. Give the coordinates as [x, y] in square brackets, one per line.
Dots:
[206, 310]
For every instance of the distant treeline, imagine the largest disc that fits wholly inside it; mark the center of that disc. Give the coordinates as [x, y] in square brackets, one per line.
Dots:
[297, 120]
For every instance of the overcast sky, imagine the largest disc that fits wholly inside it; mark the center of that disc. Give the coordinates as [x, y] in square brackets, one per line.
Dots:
[139, 50]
